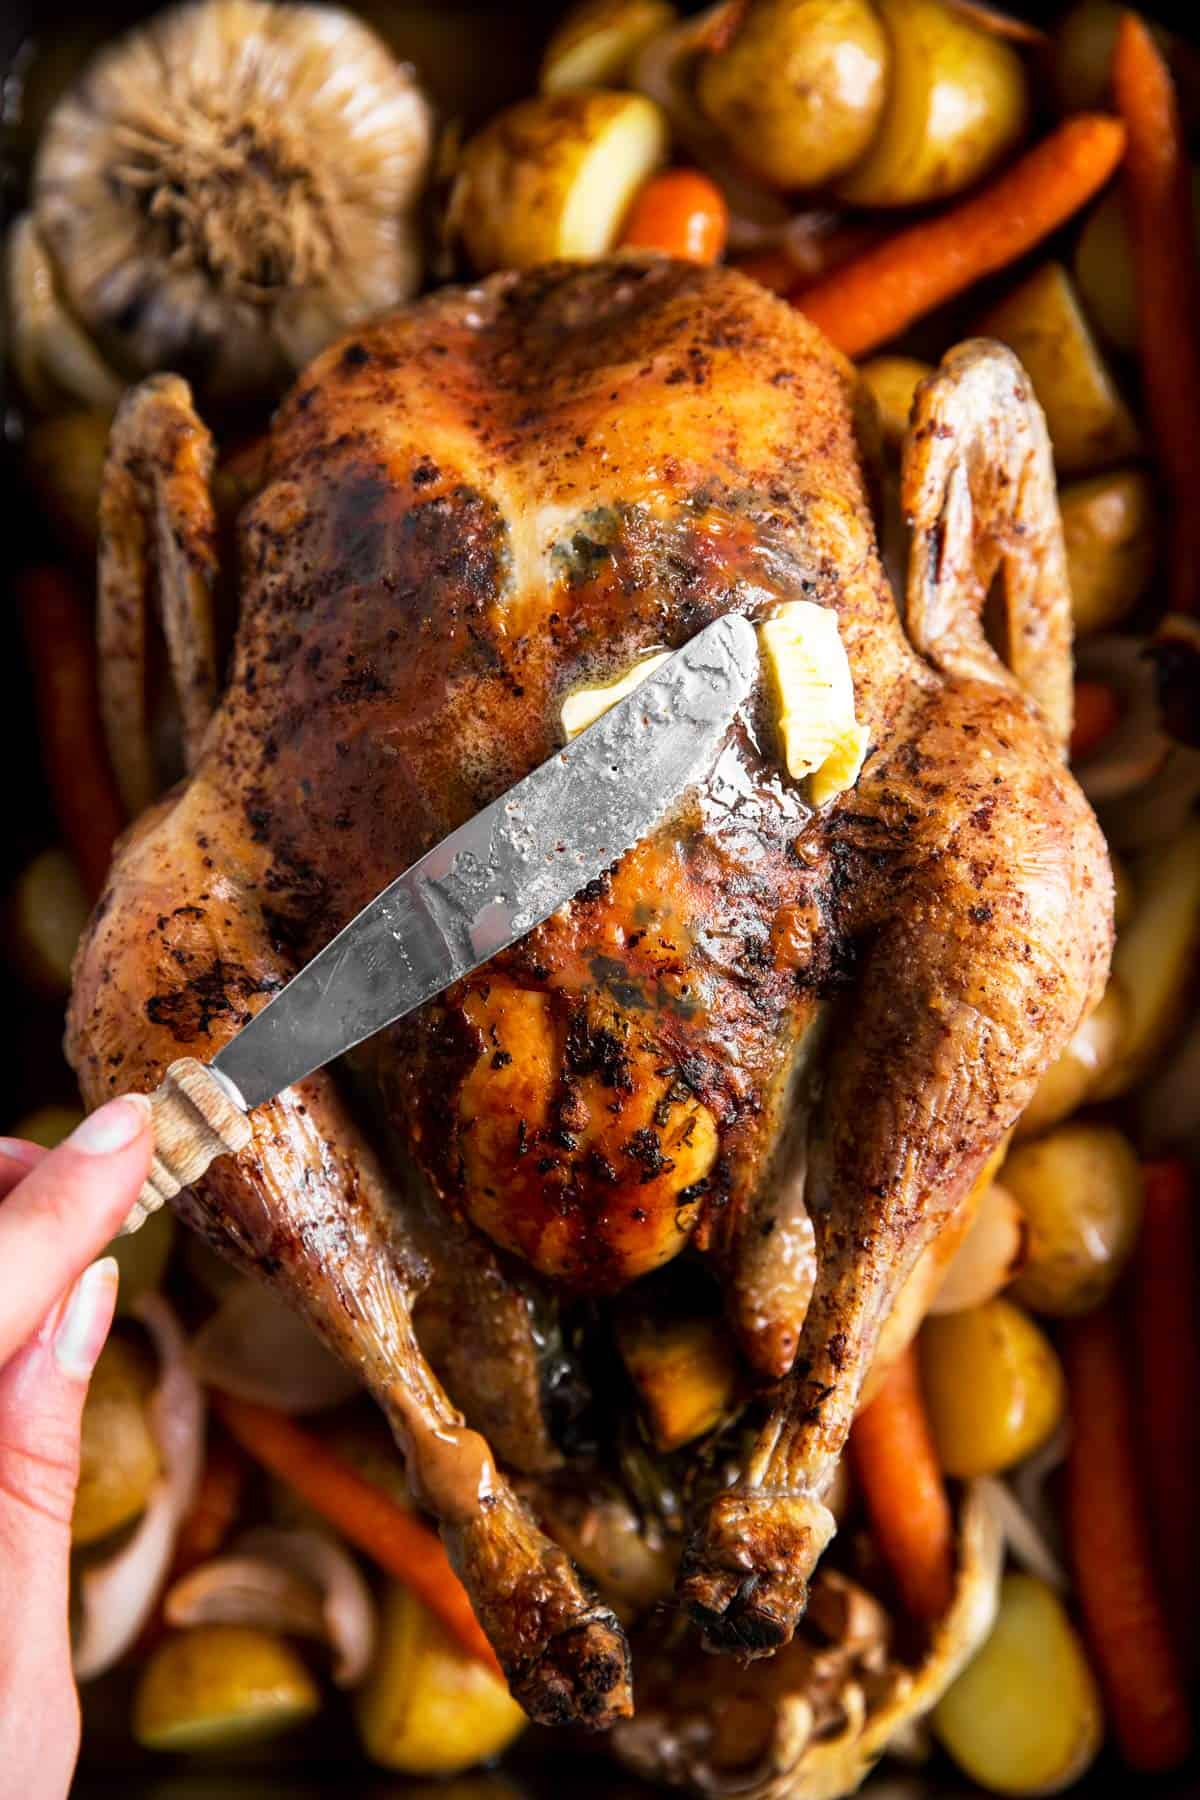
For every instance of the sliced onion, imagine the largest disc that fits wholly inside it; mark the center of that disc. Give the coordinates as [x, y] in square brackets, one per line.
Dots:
[1023, 1537]
[1136, 748]
[301, 1582]
[117, 1595]
[1029, 1482]
[256, 1348]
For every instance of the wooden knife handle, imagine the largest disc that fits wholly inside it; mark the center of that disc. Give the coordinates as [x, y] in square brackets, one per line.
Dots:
[194, 1121]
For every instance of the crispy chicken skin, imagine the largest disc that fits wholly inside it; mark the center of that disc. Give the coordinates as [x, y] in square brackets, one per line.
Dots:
[785, 1038]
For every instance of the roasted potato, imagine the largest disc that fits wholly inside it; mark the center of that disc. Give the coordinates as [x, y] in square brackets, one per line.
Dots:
[1081, 1067]
[47, 1125]
[1041, 320]
[1080, 1190]
[596, 41]
[956, 103]
[799, 92]
[1155, 957]
[219, 1687]
[1110, 528]
[554, 177]
[1025, 1715]
[48, 911]
[684, 1371]
[426, 1707]
[892, 380]
[1103, 266]
[988, 1257]
[993, 1384]
[119, 1459]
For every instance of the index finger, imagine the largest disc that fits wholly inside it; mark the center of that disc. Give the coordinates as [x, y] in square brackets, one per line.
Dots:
[58, 1219]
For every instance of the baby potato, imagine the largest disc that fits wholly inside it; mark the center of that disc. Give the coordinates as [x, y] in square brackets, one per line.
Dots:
[426, 1707]
[49, 910]
[1155, 957]
[554, 177]
[219, 1687]
[1080, 1189]
[596, 41]
[993, 1384]
[48, 1125]
[1110, 526]
[1089, 423]
[988, 1257]
[119, 1460]
[893, 382]
[1025, 1715]
[1103, 266]
[684, 1371]
[1068, 1082]
[957, 102]
[799, 92]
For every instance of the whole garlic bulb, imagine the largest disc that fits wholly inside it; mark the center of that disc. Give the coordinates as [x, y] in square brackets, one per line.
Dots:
[230, 186]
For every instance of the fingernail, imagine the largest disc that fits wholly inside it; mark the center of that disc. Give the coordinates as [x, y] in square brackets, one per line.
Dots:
[86, 1319]
[20, 1150]
[113, 1127]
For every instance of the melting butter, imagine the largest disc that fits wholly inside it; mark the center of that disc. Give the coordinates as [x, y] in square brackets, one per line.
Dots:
[807, 664]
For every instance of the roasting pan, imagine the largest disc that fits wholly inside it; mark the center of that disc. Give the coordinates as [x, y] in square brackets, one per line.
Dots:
[41, 46]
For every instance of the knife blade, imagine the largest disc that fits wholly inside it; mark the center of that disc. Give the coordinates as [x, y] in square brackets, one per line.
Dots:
[504, 871]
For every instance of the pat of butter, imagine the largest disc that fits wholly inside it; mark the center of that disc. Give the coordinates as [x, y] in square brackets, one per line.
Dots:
[807, 662]
[586, 705]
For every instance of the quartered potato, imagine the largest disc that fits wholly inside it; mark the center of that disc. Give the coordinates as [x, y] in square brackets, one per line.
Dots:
[1155, 957]
[956, 103]
[1025, 1715]
[799, 92]
[1110, 529]
[684, 1372]
[1090, 425]
[219, 1687]
[1067, 1083]
[426, 1707]
[1080, 1189]
[596, 41]
[554, 177]
[49, 910]
[47, 1125]
[993, 1384]
[119, 1460]
[892, 380]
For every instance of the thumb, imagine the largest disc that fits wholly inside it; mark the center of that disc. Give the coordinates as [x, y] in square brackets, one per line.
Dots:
[42, 1390]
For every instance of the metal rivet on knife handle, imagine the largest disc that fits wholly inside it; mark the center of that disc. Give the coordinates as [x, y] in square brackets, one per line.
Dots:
[194, 1121]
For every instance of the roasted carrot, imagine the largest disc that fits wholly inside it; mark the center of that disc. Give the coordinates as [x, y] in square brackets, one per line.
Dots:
[366, 1516]
[773, 269]
[892, 1453]
[1158, 190]
[878, 294]
[1166, 1341]
[1097, 710]
[1108, 1540]
[61, 647]
[211, 1517]
[682, 213]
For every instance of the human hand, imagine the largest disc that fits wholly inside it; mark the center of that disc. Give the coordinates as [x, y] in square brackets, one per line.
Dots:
[58, 1208]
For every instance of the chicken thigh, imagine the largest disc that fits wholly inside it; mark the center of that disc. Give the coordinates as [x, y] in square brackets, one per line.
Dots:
[783, 1036]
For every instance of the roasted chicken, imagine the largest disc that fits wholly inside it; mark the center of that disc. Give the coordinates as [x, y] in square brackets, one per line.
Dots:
[779, 1036]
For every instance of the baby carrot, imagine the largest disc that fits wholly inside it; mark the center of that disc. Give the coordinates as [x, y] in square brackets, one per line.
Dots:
[61, 644]
[891, 1448]
[1166, 1340]
[1096, 712]
[1109, 1546]
[366, 1516]
[210, 1519]
[1158, 189]
[682, 213]
[879, 293]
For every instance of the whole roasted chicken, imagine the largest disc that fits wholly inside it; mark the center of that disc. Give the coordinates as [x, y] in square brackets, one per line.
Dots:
[782, 1034]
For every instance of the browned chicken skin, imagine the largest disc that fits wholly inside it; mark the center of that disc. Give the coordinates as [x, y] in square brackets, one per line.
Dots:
[787, 1038]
